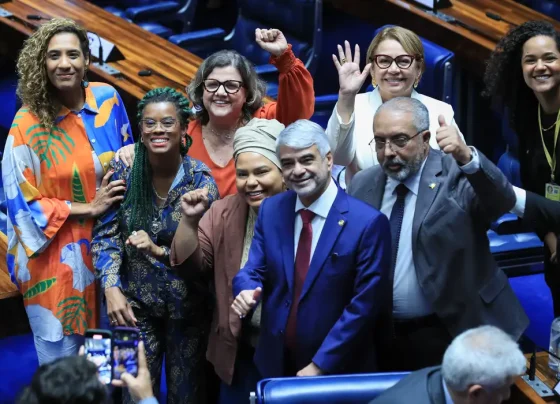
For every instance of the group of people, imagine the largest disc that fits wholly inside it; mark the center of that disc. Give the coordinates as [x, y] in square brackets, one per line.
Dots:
[242, 250]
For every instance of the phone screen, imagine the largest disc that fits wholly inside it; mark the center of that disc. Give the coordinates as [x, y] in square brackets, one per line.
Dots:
[98, 350]
[125, 353]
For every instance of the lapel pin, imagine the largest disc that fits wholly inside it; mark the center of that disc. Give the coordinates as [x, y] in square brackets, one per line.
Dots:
[341, 223]
[432, 185]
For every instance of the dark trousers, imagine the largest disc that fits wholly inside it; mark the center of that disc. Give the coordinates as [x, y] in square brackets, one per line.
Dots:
[417, 343]
[245, 377]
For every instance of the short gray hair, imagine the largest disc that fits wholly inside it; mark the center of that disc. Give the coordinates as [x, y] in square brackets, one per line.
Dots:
[303, 134]
[485, 355]
[420, 114]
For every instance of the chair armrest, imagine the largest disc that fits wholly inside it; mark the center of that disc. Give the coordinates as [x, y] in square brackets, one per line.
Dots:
[197, 37]
[266, 69]
[152, 11]
[508, 224]
[326, 101]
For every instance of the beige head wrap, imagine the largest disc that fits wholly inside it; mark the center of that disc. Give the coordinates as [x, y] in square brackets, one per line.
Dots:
[258, 136]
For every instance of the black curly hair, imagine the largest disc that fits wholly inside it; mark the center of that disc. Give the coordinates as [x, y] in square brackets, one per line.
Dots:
[504, 76]
[140, 194]
[69, 380]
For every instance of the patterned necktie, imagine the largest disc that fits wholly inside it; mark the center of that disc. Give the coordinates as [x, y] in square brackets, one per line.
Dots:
[397, 214]
[303, 258]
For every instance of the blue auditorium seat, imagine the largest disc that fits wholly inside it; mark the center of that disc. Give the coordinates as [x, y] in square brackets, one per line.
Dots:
[299, 20]
[550, 8]
[341, 389]
[436, 82]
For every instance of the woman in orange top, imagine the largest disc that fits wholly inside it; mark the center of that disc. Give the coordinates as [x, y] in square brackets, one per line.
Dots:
[227, 93]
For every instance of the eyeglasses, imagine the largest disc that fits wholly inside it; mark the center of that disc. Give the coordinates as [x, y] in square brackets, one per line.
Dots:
[230, 86]
[402, 61]
[149, 125]
[395, 143]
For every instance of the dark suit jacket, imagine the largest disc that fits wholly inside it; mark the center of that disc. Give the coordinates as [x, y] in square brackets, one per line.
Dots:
[345, 288]
[421, 387]
[541, 214]
[220, 235]
[452, 257]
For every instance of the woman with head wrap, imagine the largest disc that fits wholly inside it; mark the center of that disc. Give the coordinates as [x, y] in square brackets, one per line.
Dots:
[218, 244]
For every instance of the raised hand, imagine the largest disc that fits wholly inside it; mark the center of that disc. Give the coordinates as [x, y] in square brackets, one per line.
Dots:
[350, 78]
[271, 40]
[144, 244]
[194, 203]
[450, 142]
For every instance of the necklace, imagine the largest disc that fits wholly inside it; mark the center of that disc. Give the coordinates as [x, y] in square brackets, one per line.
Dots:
[228, 136]
[161, 198]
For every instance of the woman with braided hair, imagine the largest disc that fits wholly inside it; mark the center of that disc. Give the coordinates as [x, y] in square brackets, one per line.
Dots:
[131, 249]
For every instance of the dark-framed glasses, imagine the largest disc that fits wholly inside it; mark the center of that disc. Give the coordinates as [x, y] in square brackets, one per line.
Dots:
[230, 86]
[402, 61]
[149, 125]
[395, 143]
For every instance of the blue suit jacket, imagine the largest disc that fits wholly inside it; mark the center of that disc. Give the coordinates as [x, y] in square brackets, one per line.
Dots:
[345, 290]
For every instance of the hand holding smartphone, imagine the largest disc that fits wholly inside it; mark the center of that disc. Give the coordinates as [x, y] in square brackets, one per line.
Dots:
[97, 348]
[125, 351]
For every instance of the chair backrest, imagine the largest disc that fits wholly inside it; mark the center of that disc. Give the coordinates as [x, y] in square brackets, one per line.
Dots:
[299, 20]
[342, 389]
[437, 80]
[550, 8]
[509, 165]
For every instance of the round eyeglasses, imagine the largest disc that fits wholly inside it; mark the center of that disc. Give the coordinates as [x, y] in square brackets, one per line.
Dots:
[402, 61]
[230, 86]
[150, 125]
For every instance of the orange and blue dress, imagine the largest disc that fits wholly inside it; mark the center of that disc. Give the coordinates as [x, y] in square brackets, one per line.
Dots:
[44, 172]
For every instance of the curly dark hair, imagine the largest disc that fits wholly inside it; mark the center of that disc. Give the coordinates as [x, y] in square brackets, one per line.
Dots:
[34, 87]
[504, 76]
[140, 194]
[256, 87]
[69, 380]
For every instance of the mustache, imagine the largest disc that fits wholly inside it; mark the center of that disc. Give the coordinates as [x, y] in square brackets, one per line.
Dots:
[394, 161]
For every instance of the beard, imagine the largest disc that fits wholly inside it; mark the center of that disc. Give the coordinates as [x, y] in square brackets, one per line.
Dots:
[407, 168]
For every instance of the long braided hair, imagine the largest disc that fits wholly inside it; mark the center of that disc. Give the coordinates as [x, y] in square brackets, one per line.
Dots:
[139, 197]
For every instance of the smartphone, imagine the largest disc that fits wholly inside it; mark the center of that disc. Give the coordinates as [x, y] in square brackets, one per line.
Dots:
[125, 351]
[97, 346]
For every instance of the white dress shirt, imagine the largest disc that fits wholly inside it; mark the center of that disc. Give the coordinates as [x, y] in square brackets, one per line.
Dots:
[321, 207]
[448, 399]
[408, 299]
[521, 197]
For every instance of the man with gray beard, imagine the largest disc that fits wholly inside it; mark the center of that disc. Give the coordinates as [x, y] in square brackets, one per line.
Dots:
[440, 204]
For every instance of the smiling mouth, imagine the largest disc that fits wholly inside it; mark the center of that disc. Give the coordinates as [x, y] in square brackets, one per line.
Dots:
[158, 141]
[542, 77]
[254, 194]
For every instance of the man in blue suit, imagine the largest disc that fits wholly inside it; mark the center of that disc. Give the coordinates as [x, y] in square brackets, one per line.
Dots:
[319, 261]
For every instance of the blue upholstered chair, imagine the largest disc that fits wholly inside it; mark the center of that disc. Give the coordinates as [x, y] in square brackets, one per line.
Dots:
[341, 389]
[299, 20]
[436, 82]
[156, 16]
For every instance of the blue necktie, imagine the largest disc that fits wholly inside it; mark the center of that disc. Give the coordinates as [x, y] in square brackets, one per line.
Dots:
[397, 214]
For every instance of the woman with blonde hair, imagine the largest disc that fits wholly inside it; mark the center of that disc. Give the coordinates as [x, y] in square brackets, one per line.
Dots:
[395, 62]
[56, 183]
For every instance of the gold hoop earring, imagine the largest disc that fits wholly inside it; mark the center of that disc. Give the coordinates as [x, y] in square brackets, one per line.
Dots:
[373, 82]
[416, 83]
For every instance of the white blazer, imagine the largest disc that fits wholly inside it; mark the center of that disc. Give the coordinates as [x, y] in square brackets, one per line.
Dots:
[352, 142]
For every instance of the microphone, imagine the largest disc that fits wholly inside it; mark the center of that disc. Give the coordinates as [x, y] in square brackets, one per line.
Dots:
[36, 17]
[100, 49]
[498, 17]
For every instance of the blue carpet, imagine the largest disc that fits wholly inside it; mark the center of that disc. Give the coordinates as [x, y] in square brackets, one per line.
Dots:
[17, 366]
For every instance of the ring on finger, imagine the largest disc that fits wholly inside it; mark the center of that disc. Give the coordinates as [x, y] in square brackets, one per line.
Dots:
[342, 61]
[134, 233]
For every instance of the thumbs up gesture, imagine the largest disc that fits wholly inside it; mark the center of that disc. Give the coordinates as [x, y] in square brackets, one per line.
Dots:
[450, 142]
[246, 301]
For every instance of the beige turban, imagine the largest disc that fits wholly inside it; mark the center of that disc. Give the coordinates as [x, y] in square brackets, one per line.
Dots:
[258, 136]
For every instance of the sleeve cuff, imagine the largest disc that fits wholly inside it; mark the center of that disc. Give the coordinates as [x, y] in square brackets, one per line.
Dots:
[285, 61]
[338, 117]
[149, 400]
[520, 202]
[472, 166]
[109, 281]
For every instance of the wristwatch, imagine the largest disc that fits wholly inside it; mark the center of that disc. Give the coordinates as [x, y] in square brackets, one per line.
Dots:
[165, 252]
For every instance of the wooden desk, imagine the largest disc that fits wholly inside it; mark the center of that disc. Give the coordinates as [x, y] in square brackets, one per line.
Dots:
[522, 393]
[472, 48]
